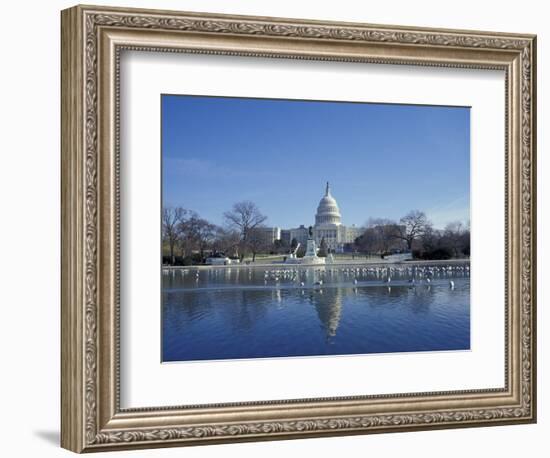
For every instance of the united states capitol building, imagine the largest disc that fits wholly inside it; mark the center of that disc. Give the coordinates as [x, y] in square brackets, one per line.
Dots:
[328, 225]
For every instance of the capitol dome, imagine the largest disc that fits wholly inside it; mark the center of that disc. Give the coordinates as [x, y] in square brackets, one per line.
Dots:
[328, 211]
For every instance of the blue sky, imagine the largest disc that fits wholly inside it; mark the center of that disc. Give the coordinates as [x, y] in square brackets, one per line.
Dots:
[382, 160]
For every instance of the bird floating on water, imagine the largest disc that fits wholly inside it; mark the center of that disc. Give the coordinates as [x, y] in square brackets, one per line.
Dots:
[451, 284]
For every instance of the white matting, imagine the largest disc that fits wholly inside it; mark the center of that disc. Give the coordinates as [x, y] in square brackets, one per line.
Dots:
[147, 382]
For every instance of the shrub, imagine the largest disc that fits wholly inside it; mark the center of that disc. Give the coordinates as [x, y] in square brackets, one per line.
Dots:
[438, 254]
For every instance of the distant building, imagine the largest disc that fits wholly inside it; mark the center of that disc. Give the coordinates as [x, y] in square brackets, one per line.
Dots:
[328, 225]
[300, 234]
[268, 235]
[285, 236]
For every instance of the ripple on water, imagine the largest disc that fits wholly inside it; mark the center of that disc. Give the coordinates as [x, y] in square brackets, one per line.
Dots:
[226, 317]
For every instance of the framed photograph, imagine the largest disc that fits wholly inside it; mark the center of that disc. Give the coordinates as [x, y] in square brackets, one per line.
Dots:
[278, 228]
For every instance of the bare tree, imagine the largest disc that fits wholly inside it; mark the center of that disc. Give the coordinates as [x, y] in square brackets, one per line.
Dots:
[430, 239]
[466, 239]
[256, 241]
[454, 236]
[385, 230]
[205, 235]
[195, 233]
[226, 241]
[186, 240]
[171, 220]
[379, 237]
[373, 222]
[411, 227]
[368, 241]
[244, 217]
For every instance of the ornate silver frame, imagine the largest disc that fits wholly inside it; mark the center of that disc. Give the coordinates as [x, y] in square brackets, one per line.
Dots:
[92, 39]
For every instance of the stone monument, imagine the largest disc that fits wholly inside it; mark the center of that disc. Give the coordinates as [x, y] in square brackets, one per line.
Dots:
[311, 251]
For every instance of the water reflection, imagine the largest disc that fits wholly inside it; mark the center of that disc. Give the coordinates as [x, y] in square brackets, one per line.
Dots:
[249, 313]
[328, 304]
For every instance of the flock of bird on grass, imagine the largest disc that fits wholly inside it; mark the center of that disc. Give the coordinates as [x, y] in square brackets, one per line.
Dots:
[415, 275]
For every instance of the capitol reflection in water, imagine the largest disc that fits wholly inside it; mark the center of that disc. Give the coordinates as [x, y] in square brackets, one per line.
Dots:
[238, 313]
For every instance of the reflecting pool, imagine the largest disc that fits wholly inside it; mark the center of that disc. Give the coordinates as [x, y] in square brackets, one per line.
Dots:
[252, 312]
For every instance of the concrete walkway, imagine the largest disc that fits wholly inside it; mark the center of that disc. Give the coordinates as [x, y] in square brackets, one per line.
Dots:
[336, 264]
